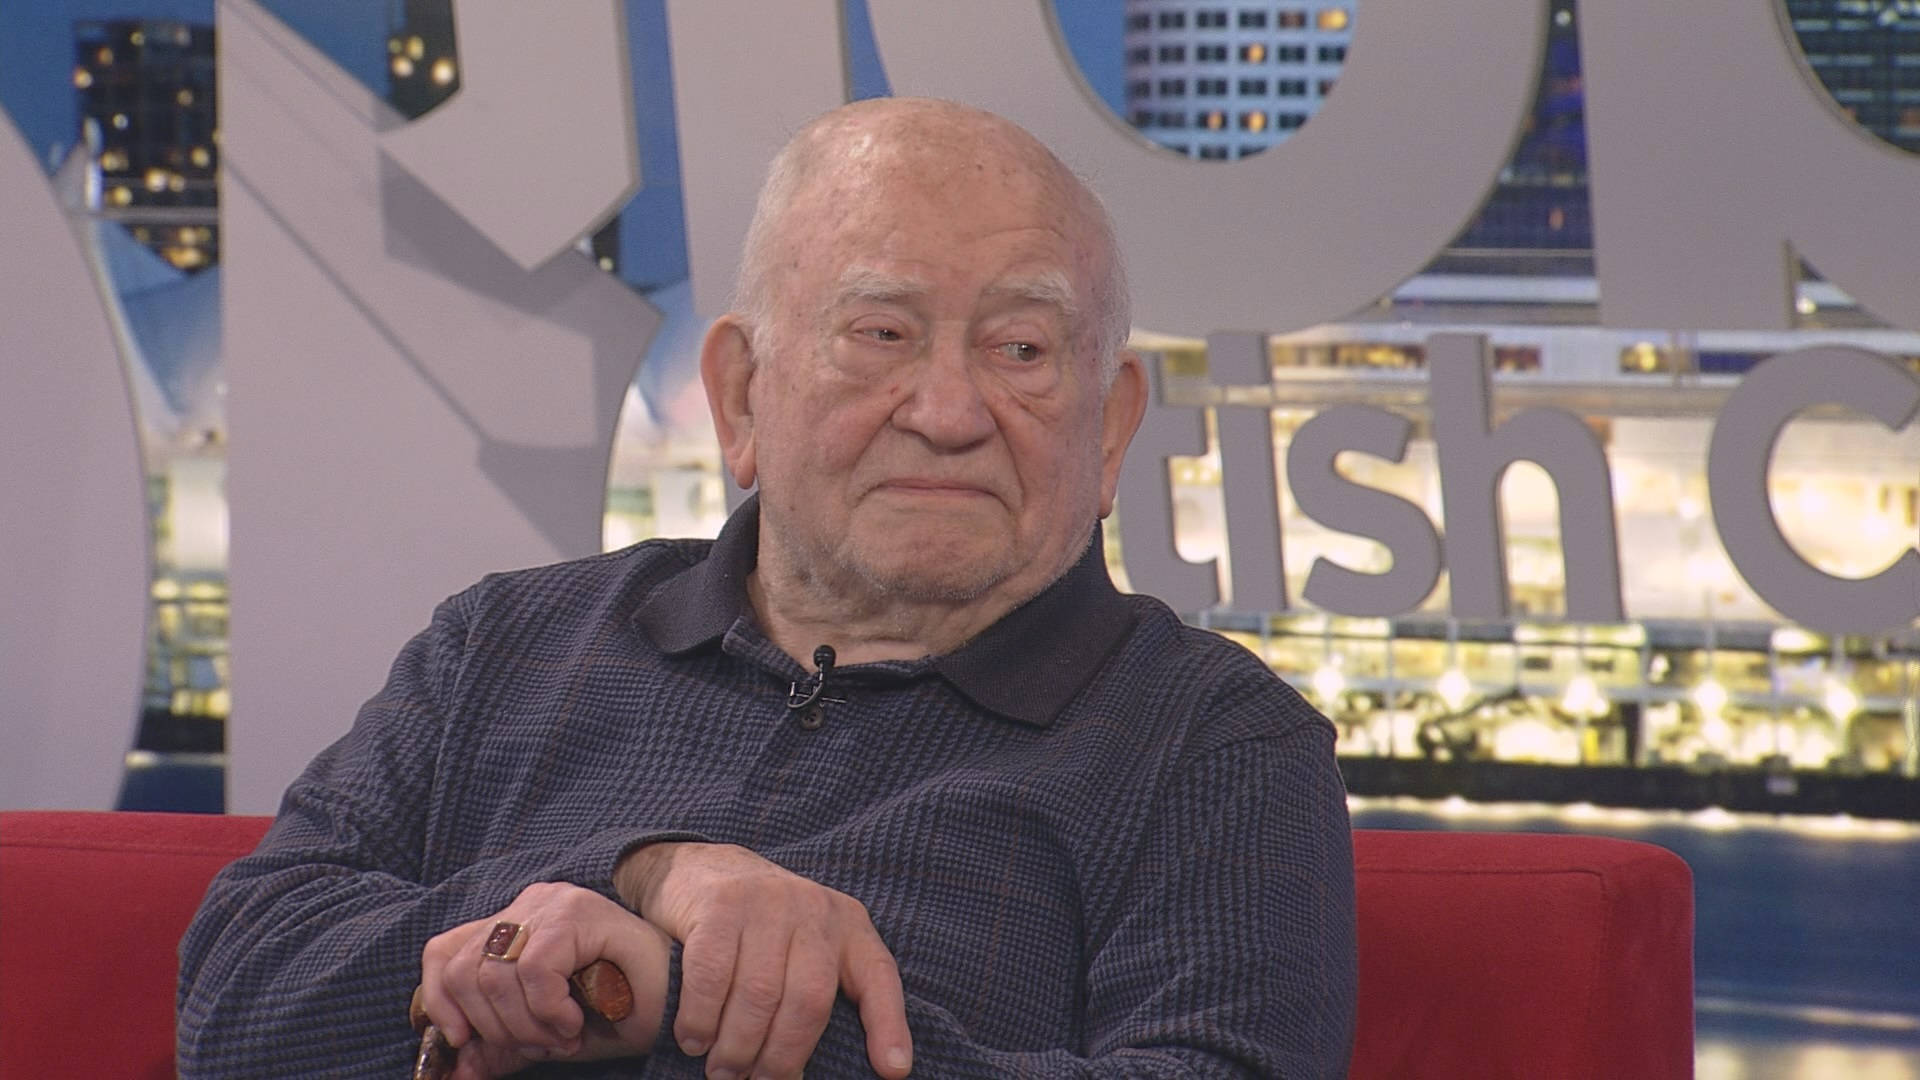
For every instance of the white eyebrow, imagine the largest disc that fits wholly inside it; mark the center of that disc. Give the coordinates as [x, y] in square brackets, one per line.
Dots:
[1049, 287]
[866, 283]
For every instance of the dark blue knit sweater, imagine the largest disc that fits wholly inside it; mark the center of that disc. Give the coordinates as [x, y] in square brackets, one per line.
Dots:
[1098, 842]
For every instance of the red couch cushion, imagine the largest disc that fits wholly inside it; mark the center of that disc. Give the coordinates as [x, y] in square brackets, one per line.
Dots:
[1481, 955]
[1490, 955]
[92, 907]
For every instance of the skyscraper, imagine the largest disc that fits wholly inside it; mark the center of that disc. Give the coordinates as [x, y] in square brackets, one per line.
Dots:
[146, 101]
[1867, 54]
[1215, 80]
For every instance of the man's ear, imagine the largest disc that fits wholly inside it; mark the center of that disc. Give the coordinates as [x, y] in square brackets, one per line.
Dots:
[1120, 417]
[726, 370]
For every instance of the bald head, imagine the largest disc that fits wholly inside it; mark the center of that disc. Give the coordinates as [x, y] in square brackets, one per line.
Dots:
[869, 148]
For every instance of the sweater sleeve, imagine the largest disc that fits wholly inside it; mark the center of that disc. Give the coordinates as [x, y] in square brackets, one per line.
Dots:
[303, 954]
[1233, 954]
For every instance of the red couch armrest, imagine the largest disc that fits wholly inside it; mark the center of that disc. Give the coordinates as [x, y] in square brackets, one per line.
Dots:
[92, 908]
[1490, 955]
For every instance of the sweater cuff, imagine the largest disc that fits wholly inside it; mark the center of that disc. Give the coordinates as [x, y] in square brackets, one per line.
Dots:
[664, 1042]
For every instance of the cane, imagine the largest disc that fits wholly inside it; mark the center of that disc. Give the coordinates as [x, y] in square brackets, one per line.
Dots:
[600, 988]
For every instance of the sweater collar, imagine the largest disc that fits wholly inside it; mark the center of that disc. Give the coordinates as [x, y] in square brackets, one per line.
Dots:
[1025, 667]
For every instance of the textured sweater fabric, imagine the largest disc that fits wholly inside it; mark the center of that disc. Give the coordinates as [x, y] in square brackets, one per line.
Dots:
[1098, 842]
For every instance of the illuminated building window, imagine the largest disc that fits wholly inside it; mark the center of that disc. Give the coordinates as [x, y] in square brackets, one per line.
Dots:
[1253, 121]
[114, 160]
[443, 71]
[1646, 358]
[1253, 20]
[416, 47]
[1254, 53]
[82, 78]
[1378, 354]
[1332, 19]
[402, 67]
[1290, 20]
[1516, 358]
[1333, 54]
[104, 57]
[120, 121]
[119, 195]
[1215, 120]
[1256, 87]
[184, 97]
[200, 157]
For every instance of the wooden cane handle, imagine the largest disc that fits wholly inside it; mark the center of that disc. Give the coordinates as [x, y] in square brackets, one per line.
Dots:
[601, 988]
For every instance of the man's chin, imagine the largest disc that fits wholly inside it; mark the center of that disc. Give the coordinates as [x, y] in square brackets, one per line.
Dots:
[950, 582]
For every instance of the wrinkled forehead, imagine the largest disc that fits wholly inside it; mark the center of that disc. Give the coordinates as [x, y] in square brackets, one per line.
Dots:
[972, 166]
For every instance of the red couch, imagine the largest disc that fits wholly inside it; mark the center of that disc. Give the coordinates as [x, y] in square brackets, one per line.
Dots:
[1482, 955]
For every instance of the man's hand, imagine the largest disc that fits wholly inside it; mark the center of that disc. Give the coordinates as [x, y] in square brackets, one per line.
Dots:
[764, 952]
[505, 1015]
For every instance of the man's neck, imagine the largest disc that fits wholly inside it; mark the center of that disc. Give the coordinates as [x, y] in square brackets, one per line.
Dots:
[799, 611]
[797, 616]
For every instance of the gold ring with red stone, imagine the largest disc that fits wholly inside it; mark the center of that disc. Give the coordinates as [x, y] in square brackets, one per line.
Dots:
[505, 941]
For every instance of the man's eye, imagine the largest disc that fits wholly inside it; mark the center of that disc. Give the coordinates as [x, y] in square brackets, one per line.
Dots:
[1022, 351]
[883, 333]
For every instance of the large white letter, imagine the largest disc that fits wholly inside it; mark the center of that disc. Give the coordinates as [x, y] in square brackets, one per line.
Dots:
[1393, 166]
[73, 518]
[746, 75]
[410, 407]
[1474, 454]
[1737, 458]
[1716, 159]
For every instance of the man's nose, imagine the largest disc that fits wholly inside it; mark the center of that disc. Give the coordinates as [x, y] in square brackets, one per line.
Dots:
[946, 406]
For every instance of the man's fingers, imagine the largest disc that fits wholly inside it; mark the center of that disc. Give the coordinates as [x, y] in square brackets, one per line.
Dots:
[436, 996]
[806, 1004]
[871, 979]
[759, 982]
[706, 973]
[541, 974]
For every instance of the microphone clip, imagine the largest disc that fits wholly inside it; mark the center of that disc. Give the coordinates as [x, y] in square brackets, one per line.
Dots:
[811, 691]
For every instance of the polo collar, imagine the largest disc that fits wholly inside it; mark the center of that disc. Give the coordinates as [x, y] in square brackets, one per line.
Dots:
[1026, 667]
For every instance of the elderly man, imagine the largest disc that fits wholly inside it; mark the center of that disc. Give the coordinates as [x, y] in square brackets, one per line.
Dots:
[888, 777]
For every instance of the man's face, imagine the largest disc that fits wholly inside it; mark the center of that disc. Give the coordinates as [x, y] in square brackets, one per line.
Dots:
[928, 418]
